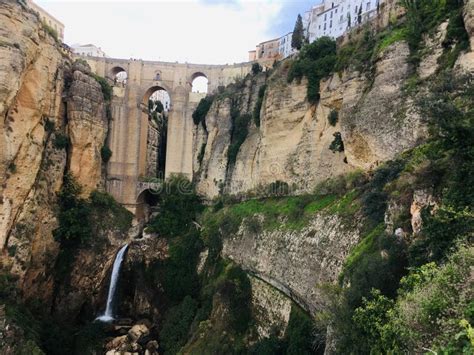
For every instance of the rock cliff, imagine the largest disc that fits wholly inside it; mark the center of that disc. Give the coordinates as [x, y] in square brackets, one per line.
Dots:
[55, 121]
[375, 119]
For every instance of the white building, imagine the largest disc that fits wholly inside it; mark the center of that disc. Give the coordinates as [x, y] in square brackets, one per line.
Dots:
[334, 17]
[88, 50]
[285, 46]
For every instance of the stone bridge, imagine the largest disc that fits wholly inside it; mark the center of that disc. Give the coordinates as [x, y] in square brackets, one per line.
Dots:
[130, 123]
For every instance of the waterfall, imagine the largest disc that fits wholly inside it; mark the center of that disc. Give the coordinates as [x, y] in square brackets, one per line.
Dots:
[108, 314]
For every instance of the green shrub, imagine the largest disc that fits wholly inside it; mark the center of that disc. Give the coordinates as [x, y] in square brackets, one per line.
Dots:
[258, 105]
[179, 206]
[238, 136]
[176, 325]
[357, 54]
[105, 87]
[12, 167]
[337, 144]
[48, 125]
[256, 68]
[51, 31]
[333, 117]
[299, 333]
[235, 290]
[315, 62]
[199, 114]
[105, 153]
[61, 141]
[202, 151]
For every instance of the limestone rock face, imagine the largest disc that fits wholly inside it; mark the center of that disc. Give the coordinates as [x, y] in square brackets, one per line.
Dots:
[376, 122]
[270, 308]
[296, 262]
[87, 130]
[376, 119]
[32, 69]
[465, 62]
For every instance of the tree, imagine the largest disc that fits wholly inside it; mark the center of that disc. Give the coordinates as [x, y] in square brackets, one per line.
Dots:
[256, 68]
[298, 34]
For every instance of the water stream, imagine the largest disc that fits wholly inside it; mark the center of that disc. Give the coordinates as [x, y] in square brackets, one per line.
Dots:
[108, 315]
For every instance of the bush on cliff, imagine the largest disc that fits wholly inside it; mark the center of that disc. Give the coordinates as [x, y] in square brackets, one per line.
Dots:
[199, 114]
[315, 62]
[179, 207]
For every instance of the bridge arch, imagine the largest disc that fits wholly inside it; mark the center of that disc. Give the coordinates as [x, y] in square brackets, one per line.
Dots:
[118, 74]
[147, 199]
[199, 82]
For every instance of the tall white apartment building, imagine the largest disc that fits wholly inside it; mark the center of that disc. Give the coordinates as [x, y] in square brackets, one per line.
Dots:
[334, 17]
[285, 49]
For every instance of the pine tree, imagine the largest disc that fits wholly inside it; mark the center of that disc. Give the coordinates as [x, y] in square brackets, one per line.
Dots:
[298, 34]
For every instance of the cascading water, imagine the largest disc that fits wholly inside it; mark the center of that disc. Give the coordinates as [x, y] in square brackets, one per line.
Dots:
[108, 314]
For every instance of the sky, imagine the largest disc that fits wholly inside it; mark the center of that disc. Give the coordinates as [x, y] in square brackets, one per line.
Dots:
[193, 31]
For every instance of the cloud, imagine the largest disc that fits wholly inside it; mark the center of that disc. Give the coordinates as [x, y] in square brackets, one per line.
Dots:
[285, 20]
[197, 31]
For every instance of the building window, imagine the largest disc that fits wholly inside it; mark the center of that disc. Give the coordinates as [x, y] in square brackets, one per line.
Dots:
[335, 11]
[324, 28]
[331, 14]
[368, 6]
[330, 24]
[319, 27]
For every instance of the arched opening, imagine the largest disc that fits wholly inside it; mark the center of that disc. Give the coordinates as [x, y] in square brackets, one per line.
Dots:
[157, 75]
[147, 201]
[199, 83]
[119, 75]
[158, 104]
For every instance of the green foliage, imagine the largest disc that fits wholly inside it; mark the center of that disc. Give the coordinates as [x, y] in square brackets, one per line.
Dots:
[176, 325]
[202, 151]
[177, 274]
[48, 125]
[51, 31]
[239, 134]
[422, 17]
[337, 145]
[179, 206]
[235, 291]
[12, 167]
[105, 153]
[315, 62]
[84, 222]
[61, 141]
[357, 54]
[199, 115]
[258, 105]
[105, 86]
[297, 38]
[374, 198]
[299, 333]
[256, 68]
[333, 117]
[376, 251]
[73, 212]
[441, 231]
[392, 37]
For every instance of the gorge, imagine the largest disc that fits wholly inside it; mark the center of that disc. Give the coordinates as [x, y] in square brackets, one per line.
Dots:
[318, 204]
